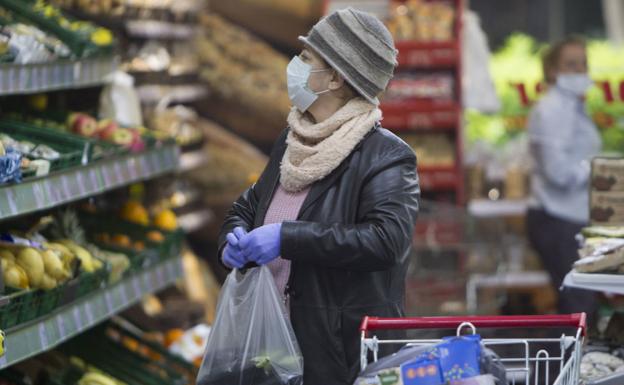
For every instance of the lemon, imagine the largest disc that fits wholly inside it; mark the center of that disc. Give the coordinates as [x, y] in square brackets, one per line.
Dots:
[102, 36]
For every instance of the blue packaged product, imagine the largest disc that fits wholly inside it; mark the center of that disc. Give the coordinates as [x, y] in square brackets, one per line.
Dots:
[459, 357]
[422, 372]
[10, 166]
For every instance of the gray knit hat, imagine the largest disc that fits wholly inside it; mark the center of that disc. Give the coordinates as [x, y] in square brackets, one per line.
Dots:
[359, 47]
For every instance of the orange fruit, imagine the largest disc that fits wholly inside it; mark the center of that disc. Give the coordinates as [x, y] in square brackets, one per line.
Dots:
[121, 240]
[139, 245]
[172, 336]
[133, 211]
[155, 236]
[166, 220]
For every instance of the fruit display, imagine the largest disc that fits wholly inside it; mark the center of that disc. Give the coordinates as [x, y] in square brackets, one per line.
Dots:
[81, 38]
[179, 122]
[25, 44]
[602, 250]
[107, 130]
[423, 21]
[124, 356]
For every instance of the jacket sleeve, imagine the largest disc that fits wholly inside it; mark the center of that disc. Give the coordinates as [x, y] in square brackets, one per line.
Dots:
[379, 240]
[243, 211]
[548, 148]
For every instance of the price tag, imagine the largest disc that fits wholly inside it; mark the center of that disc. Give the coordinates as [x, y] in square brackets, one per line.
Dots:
[77, 71]
[34, 78]
[66, 189]
[89, 311]
[43, 336]
[3, 360]
[11, 79]
[11, 200]
[38, 195]
[106, 175]
[82, 189]
[109, 302]
[137, 287]
[77, 318]
[49, 192]
[148, 283]
[95, 186]
[171, 268]
[160, 275]
[133, 165]
[60, 323]
[145, 167]
[119, 172]
[45, 74]
[124, 295]
[23, 77]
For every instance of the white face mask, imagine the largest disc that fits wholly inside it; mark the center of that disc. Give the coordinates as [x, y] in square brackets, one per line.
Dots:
[297, 74]
[578, 84]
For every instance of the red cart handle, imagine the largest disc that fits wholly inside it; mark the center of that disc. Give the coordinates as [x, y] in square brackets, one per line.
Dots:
[577, 320]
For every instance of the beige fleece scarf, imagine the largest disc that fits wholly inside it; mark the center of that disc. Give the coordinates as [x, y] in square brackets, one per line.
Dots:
[314, 150]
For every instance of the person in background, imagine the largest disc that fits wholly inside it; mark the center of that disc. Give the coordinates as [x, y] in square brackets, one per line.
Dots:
[333, 213]
[563, 140]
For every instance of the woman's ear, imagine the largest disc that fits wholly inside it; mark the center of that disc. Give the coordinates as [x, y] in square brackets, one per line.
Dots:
[336, 81]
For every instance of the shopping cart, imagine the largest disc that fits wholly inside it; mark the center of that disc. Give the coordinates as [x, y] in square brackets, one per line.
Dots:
[518, 360]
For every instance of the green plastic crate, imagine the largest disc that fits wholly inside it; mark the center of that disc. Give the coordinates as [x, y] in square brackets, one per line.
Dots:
[80, 44]
[74, 150]
[49, 300]
[170, 247]
[12, 308]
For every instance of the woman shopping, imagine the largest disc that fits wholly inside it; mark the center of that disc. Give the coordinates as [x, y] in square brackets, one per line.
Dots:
[333, 213]
[563, 140]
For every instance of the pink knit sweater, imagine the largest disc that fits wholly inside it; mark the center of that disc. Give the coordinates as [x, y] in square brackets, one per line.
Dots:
[284, 206]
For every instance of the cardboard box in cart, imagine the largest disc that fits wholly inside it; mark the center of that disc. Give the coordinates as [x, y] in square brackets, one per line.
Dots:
[607, 192]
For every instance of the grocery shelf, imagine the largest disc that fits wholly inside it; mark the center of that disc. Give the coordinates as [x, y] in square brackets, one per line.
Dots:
[195, 220]
[428, 54]
[485, 208]
[439, 178]
[192, 160]
[25, 341]
[607, 283]
[80, 182]
[56, 75]
[155, 29]
[421, 115]
[187, 93]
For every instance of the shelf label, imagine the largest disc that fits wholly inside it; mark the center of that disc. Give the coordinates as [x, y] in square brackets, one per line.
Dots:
[82, 189]
[94, 180]
[39, 198]
[119, 173]
[89, 311]
[124, 295]
[60, 323]
[137, 287]
[77, 318]
[11, 200]
[66, 189]
[3, 360]
[109, 302]
[160, 275]
[132, 166]
[43, 336]
[148, 282]
[49, 192]
[106, 175]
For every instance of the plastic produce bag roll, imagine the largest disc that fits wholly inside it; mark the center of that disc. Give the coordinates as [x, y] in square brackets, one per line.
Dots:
[252, 341]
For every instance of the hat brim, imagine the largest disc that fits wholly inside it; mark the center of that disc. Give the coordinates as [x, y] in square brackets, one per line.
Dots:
[331, 63]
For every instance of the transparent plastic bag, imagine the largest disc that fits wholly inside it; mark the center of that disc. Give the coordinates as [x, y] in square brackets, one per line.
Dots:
[252, 341]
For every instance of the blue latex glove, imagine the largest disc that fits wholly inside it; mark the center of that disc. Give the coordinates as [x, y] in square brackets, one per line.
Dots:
[232, 255]
[262, 245]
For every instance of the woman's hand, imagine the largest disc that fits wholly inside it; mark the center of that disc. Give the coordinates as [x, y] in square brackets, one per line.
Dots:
[232, 255]
[262, 245]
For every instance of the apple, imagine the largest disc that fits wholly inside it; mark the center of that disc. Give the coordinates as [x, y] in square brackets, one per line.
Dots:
[122, 137]
[82, 124]
[106, 128]
[138, 144]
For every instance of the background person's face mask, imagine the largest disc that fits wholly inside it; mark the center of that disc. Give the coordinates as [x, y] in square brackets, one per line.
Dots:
[578, 84]
[297, 74]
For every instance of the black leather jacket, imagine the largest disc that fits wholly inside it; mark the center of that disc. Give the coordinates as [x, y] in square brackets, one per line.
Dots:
[349, 248]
